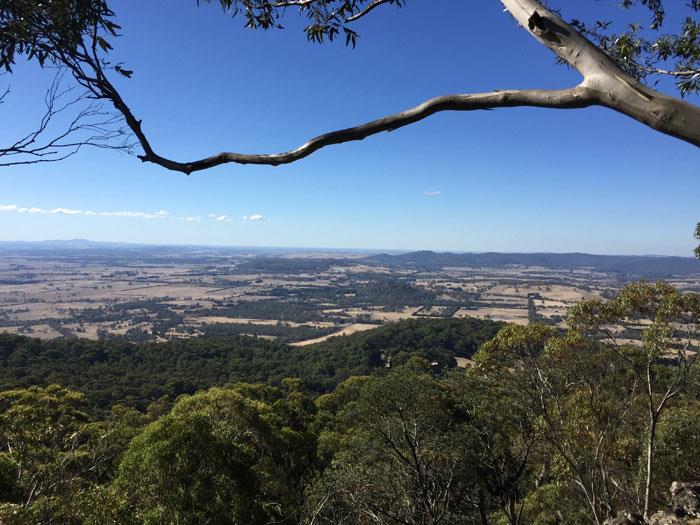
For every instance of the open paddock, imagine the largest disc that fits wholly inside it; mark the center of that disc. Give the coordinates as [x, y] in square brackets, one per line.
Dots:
[509, 315]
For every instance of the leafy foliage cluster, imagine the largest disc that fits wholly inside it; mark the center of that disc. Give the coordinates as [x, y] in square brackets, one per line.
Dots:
[327, 18]
[645, 51]
[70, 32]
[44, 30]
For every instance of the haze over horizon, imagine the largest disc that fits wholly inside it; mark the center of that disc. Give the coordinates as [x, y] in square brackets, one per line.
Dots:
[341, 249]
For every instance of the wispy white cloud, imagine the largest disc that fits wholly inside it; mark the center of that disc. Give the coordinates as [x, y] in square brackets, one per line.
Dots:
[158, 215]
[433, 193]
[162, 214]
[66, 211]
[13, 208]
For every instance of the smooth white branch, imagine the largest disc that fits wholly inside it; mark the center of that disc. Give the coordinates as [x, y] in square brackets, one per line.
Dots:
[603, 84]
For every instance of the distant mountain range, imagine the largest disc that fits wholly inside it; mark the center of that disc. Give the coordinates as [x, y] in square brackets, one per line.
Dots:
[630, 265]
[85, 244]
[649, 266]
[69, 244]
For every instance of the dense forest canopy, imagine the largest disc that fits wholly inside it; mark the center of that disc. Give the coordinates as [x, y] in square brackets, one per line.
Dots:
[546, 427]
[114, 371]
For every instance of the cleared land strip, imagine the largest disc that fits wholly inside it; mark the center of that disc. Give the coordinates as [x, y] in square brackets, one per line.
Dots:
[351, 329]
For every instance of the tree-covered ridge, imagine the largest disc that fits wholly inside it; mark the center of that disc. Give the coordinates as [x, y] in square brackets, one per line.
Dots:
[437, 340]
[639, 266]
[112, 370]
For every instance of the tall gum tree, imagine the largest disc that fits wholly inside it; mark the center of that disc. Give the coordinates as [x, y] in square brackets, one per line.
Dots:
[74, 34]
[663, 360]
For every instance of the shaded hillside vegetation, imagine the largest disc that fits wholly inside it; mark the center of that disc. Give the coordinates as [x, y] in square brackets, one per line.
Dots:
[112, 370]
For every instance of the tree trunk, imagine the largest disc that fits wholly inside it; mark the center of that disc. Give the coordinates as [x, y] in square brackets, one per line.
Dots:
[651, 437]
[611, 87]
[482, 507]
[668, 115]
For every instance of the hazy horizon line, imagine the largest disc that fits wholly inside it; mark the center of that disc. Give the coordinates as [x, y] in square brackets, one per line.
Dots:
[390, 251]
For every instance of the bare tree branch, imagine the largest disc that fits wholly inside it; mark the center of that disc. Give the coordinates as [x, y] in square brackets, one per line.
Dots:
[604, 84]
[680, 73]
[90, 125]
[612, 87]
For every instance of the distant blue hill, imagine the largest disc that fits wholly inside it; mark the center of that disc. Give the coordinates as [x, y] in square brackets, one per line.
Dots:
[69, 244]
[649, 266]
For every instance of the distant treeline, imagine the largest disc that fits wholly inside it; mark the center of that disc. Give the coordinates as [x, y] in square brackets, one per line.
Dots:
[285, 265]
[376, 291]
[306, 304]
[628, 265]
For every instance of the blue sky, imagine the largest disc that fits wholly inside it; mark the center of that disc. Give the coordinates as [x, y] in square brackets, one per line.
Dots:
[506, 180]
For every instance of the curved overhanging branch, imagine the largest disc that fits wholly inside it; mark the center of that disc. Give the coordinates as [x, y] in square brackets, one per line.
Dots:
[577, 97]
[604, 84]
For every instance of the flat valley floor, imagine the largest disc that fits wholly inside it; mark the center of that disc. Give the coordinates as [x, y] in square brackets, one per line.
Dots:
[298, 298]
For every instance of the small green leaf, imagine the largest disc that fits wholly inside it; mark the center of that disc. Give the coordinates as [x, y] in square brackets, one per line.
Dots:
[124, 72]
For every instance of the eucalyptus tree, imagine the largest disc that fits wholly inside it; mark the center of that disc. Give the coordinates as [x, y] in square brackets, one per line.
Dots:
[617, 72]
[581, 400]
[400, 449]
[678, 433]
[505, 444]
[226, 455]
[667, 322]
[44, 458]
